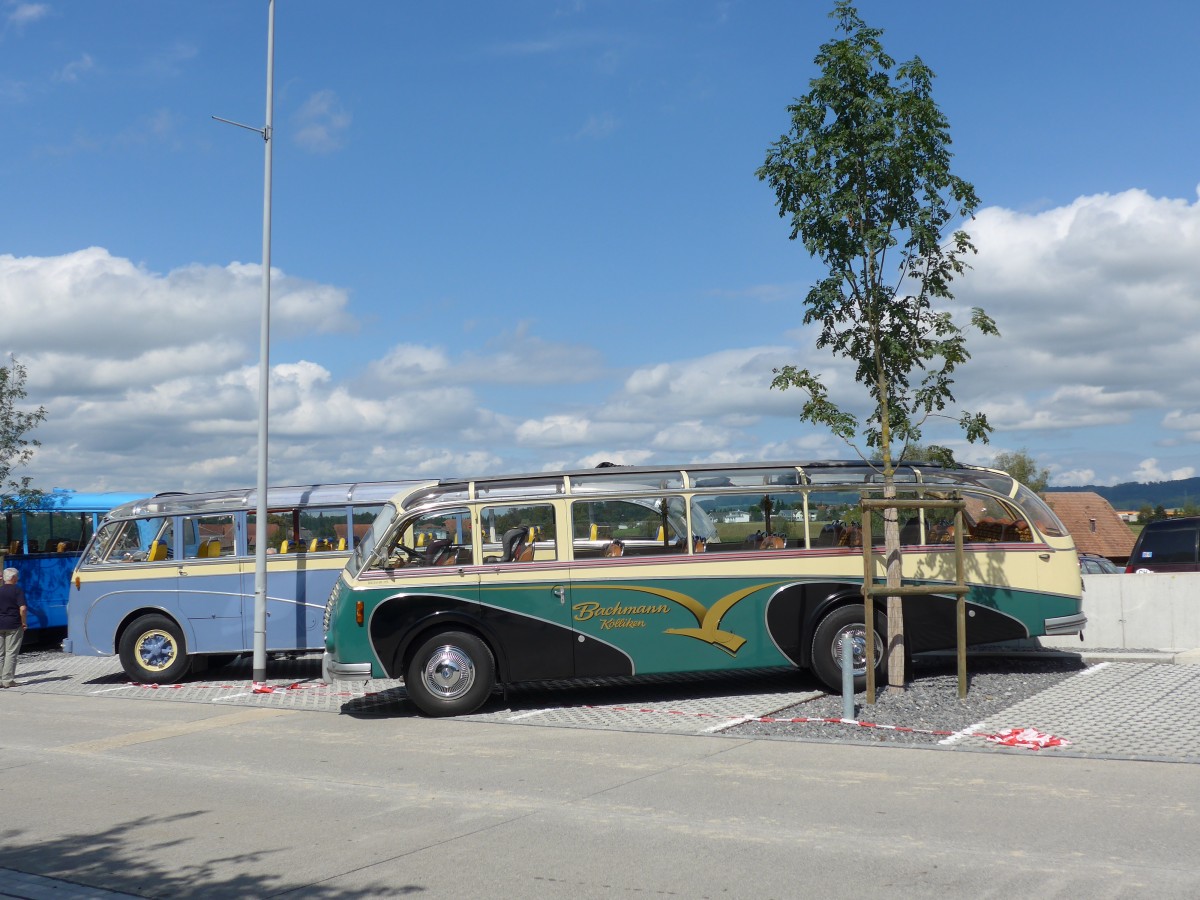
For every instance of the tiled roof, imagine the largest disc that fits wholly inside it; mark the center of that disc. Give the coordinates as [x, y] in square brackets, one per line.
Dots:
[1093, 523]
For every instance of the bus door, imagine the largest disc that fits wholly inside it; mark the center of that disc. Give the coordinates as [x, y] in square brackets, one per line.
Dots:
[623, 586]
[525, 590]
[210, 583]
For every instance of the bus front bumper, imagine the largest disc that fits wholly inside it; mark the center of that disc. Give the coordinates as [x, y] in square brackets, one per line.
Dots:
[1066, 624]
[332, 671]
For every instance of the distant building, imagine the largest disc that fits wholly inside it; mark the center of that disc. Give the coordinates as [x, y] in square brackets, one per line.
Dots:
[741, 516]
[1093, 523]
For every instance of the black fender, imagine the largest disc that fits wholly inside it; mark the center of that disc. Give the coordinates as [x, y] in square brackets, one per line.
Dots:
[403, 620]
[795, 610]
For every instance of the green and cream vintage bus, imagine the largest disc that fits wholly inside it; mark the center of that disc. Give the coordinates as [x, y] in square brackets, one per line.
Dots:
[465, 584]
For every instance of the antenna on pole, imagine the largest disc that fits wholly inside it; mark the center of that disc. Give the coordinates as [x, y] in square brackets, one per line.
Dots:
[261, 530]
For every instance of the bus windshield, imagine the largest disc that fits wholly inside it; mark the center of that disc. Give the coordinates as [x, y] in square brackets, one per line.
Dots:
[370, 540]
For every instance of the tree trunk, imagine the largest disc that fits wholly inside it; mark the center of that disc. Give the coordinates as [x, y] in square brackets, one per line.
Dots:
[893, 559]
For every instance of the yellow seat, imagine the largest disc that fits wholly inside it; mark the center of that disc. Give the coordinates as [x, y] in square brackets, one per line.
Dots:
[341, 543]
[157, 552]
[212, 548]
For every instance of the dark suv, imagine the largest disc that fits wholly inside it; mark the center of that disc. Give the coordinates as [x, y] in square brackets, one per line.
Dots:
[1169, 545]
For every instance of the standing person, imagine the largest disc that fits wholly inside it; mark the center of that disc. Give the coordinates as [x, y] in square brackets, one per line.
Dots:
[12, 626]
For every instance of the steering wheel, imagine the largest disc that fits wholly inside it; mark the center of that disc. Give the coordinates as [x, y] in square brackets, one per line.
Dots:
[401, 556]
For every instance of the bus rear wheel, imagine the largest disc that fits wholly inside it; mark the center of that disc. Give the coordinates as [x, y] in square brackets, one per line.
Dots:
[451, 674]
[845, 627]
[153, 651]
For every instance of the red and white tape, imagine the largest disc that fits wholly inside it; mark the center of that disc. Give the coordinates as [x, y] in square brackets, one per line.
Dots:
[1028, 738]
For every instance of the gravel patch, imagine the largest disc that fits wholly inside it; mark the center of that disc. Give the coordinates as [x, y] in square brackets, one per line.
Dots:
[928, 704]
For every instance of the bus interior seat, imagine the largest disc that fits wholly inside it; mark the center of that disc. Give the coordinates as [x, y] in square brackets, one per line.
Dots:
[514, 545]
[211, 548]
[341, 545]
[286, 547]
[441, 553]
[828, 537]
[157, 552]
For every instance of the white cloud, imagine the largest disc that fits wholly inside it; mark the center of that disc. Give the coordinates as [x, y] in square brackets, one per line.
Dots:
[1148, 470]
[322, 122]
[22, 14]
[151, 379]
[72, 71]
[1101, 297]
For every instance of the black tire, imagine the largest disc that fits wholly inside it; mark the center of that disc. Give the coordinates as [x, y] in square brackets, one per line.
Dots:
[153, 651]
[452, 673]
[826, 650]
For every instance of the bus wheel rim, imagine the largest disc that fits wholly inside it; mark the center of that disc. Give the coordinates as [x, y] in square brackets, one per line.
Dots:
[449, 673]
[155, 650]
[857, 636]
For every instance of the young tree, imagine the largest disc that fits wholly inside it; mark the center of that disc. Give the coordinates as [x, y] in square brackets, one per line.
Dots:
[1021, 466]
[15, 448]
[864, 177]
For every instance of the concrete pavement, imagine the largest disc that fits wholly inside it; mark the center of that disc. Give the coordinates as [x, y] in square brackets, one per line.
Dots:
[170, 799]
[209, 789]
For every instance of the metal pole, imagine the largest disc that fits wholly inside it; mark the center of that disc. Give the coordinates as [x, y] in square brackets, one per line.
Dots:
[264, 377]
[848, 678]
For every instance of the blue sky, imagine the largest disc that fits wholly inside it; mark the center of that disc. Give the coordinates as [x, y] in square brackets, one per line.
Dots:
[512, 236]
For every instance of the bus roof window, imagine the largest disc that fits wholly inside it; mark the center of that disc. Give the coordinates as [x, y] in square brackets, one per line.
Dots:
[525, 487]
[626, 481]
[743, 478]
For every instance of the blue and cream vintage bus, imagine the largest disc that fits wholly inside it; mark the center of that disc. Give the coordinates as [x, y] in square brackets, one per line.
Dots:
[167, 582]
[43, 542]
[465, 584]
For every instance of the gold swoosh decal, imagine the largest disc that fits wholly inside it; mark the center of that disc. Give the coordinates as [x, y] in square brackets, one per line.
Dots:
[707, 618]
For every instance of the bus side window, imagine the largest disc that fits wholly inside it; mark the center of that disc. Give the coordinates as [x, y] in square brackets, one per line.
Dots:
[208, 537]
[614, 529]
[538, 543]
[441, 538]
[993, 521]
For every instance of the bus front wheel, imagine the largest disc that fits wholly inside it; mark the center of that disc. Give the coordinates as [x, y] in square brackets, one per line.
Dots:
[153, 652]
[845, 627]
[451, 674]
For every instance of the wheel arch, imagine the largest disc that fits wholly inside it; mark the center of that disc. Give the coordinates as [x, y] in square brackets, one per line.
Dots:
[796, 610]
[401, 623]
[136, 613]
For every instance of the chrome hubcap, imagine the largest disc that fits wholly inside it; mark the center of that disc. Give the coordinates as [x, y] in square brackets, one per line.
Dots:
[449, 673]
[856, 637]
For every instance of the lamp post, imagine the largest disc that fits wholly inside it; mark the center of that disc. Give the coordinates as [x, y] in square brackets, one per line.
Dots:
[264, 368]
[264, 375]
